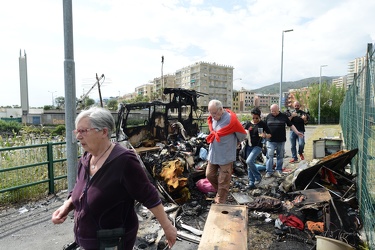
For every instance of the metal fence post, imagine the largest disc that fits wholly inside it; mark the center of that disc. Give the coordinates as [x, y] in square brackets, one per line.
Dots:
[51, 182]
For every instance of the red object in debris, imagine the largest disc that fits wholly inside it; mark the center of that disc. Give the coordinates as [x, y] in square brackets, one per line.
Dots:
[328, 176]
[292, 221]
[205, 186]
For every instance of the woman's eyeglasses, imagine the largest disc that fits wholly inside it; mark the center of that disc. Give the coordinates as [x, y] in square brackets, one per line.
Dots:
[84, 132]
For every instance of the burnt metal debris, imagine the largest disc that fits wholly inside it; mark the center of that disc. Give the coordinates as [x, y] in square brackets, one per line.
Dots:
[145, 121]
[316, 199]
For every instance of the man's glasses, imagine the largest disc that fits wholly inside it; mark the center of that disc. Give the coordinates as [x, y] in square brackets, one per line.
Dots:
[215, 113]
[84, 132]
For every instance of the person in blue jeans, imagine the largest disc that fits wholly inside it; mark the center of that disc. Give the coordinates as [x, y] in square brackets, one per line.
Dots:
[254, 145]
[276, 122]
[298, 118]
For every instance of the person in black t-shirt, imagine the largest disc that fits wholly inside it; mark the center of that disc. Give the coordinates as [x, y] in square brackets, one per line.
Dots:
[298, 118]
[276, 122]
[254, 145]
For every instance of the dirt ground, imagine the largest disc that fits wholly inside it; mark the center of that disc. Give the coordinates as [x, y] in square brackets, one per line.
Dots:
[28, 225]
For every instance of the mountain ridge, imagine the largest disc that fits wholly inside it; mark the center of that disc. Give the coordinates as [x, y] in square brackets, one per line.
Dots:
[286, 86]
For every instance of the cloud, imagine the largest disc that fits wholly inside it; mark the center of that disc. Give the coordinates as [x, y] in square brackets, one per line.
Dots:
[125, 41]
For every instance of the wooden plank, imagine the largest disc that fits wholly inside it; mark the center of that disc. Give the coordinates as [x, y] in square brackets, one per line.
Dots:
[225, 228]
[313, 196]
[141, 150]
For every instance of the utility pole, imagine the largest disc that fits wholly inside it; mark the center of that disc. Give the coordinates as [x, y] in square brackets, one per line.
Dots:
[282, 58]
[100, 93]
[162, 78]
[53, 100]
[320, 88]
[70, 94]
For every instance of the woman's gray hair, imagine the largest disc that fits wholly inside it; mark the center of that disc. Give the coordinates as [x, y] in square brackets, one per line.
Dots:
[99, 118]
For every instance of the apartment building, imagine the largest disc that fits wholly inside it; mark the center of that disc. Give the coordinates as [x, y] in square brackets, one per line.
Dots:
[243, 100]
[129, 96]
[160, 83]
[340, 82]
[354, 67]
[265, 101]
[145, 90]
[213, 79]
[236, 101]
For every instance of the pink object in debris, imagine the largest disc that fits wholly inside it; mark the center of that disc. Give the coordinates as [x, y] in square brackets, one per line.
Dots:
[205, 186]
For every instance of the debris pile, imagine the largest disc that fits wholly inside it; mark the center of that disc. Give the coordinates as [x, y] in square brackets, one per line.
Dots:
[312, 200]
[311, 203]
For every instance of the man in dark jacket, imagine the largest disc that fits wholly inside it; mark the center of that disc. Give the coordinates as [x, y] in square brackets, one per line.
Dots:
[298, 118]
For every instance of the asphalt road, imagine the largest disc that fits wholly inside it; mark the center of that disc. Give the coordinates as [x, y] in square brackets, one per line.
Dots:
[308, 135]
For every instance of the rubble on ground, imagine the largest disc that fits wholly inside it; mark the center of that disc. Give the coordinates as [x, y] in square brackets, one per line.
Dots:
[316, 199]
[310, 203]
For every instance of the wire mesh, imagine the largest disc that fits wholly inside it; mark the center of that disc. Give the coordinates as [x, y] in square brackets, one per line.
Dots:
[357, 119]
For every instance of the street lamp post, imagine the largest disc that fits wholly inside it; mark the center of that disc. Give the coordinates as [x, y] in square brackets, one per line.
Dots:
[320, 83]
[53, 100]
[237, 79]
[282, 54]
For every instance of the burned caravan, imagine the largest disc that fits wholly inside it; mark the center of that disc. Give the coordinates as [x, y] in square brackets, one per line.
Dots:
[144, 121]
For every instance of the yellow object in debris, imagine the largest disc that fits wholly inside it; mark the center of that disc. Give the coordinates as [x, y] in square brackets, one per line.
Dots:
[171, 172]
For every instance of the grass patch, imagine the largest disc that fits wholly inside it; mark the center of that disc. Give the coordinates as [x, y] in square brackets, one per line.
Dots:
[320, 131]
[16, 170]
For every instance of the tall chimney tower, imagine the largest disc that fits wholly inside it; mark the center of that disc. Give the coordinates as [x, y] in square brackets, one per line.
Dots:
[24, 86]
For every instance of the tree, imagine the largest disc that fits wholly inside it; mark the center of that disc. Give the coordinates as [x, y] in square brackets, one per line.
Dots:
[331, 98]
[139, 98]
[60, 102]
[89, 102]
[47, 107]
[154, 96]
[112, 104]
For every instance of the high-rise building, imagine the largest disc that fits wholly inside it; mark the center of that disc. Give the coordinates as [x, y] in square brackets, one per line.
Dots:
[213, 79]
[355, 67]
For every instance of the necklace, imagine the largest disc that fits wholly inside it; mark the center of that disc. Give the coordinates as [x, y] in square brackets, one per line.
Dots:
[93, 164]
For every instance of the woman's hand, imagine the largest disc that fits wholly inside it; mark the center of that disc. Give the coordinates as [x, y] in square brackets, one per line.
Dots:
[60, 215]
[169, 230]
[170, 234]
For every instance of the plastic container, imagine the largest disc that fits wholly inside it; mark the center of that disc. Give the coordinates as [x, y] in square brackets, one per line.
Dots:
[324, 243]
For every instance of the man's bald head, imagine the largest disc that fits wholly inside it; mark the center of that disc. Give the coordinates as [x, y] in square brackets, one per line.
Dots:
[275, 110]
[297, 105]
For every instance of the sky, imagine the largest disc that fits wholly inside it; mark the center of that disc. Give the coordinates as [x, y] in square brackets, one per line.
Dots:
[125, 40]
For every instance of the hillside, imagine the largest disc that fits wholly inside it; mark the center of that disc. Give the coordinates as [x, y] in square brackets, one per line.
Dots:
[274, 88]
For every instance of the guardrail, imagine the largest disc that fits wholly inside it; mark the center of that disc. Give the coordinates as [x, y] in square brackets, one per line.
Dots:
[29, 172]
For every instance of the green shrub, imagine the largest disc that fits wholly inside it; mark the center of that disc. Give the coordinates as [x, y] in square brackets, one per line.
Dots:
[59, 130]
[9, 127]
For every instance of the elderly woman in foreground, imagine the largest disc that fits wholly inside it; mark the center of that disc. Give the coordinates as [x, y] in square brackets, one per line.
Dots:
[109, 180]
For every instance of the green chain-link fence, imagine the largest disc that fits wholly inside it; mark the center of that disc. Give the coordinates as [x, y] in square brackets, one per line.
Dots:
[357, 119]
